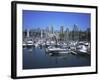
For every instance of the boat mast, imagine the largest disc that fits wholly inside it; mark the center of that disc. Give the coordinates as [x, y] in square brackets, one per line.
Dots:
[27, 33]
[41, 33]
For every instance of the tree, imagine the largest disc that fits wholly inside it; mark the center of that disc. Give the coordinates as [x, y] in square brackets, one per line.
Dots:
[88, 34]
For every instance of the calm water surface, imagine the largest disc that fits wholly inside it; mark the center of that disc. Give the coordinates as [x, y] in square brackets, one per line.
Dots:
[36, 58]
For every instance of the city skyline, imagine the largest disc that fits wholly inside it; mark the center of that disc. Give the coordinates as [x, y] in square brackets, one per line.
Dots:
[43, 19]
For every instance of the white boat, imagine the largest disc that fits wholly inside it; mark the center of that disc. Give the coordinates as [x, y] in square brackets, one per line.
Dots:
[64, 52]
[56, 50]
[36, 44]
[29, 43]
[82, 50]
[24, 44]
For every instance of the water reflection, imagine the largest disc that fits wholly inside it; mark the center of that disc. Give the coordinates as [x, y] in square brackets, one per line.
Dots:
[35, 58]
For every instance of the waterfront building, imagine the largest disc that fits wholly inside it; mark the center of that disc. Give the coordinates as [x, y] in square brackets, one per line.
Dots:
[66, 35]
[75, 33]
[52, 30]
[61, 33]
[62, 29]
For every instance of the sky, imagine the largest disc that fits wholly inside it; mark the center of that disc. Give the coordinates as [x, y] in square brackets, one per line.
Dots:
[43, 19]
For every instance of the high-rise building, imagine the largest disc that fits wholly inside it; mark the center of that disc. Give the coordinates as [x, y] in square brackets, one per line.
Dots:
[75, 33]
[61, 29]
[61, 34]
[52, 30]
[66, 35]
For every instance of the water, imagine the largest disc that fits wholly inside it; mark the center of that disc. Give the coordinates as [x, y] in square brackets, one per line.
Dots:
[36, 58]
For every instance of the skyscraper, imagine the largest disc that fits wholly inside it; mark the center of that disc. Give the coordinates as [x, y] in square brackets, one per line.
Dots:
[66, 35]
[75, 33]
[61, 29]
[52, 30]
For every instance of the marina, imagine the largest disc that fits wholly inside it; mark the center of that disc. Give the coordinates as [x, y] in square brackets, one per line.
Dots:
[72, 47]
[47, 44]
[43, 55]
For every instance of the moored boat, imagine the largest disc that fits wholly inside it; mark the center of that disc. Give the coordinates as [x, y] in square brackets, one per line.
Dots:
[57, 50]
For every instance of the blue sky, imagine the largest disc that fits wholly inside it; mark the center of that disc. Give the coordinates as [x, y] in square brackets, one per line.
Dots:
[42, 19]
